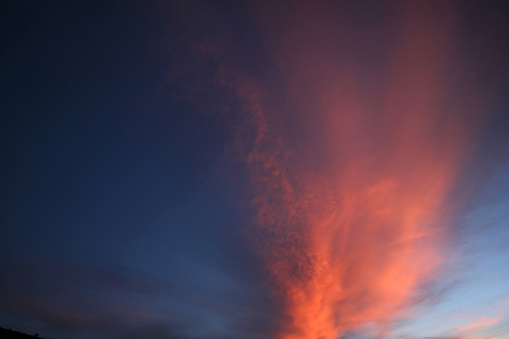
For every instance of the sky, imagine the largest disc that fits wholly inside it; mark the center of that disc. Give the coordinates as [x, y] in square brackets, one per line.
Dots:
[255, 169]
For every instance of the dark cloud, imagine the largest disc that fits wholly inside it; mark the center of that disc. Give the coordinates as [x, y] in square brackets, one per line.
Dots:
[156, 331]
[85, 301]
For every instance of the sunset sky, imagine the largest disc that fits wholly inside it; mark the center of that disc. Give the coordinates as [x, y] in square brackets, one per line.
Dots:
[255, 169]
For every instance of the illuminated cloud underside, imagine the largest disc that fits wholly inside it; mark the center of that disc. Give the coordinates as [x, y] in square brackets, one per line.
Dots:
[352, 209]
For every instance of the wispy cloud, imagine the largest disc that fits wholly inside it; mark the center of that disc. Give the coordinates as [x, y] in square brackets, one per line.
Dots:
[351, 169]
[481, 322]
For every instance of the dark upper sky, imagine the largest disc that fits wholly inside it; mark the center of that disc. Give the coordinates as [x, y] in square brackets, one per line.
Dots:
[211, 169]
[116, 204]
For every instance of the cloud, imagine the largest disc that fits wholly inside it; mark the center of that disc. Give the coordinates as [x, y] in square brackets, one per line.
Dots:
[480, 323]
[349, 209]
[80, 301]
[353, 149]
[67, 297]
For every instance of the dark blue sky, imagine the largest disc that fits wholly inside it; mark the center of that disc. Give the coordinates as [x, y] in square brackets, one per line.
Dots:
[126, 210]
[120, 214]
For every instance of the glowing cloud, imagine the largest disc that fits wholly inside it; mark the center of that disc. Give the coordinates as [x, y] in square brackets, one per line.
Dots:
[353, 169]
[482, 322]
[352, 160]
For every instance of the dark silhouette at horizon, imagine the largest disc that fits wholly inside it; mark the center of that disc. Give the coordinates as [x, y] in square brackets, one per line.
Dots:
[11, 334]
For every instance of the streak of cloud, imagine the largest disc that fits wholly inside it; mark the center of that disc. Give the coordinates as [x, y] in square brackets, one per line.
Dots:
[482, 322]
[351, 157]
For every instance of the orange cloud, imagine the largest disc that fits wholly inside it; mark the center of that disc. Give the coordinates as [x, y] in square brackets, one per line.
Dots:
[352, 181]
[352, 155]
[482, 322]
